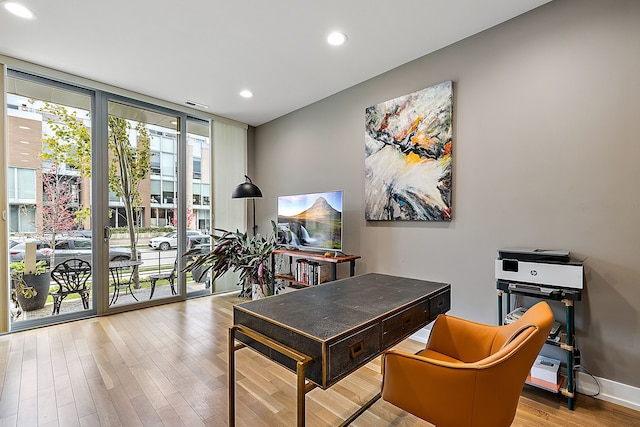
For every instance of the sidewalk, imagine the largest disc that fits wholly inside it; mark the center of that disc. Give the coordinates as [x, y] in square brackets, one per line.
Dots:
[75, 305]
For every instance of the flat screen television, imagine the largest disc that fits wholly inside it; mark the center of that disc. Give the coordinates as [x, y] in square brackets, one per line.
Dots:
[311, 220]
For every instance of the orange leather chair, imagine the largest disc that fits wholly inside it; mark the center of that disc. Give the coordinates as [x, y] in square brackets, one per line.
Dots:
[469, 374]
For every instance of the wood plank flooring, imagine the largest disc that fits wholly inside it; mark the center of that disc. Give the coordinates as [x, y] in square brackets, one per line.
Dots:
[167, 365]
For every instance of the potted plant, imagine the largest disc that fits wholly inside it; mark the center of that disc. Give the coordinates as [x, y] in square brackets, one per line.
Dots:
[30, 288]
[237, 251]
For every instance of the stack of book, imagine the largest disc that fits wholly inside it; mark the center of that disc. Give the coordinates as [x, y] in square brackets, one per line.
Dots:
[310, 272]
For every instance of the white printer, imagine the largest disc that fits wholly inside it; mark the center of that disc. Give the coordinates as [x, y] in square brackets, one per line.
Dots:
[541, 268]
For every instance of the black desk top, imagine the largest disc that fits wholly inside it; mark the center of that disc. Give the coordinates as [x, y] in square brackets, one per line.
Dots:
[324, 311]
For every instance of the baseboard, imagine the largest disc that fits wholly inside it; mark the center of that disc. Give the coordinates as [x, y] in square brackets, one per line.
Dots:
[610, 391]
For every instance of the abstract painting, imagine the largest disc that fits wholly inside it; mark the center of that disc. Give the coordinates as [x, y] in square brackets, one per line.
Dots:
[408, 156]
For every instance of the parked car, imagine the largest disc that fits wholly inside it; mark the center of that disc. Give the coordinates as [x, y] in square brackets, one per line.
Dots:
[200, 245]
[76, 233]
[17, 248]
[170, 240]
[66, 248]
[201, 242]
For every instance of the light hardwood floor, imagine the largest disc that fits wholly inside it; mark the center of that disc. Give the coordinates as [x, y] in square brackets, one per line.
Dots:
[167, 366]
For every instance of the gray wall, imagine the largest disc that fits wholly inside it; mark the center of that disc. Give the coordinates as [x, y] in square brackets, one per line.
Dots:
[546, 151]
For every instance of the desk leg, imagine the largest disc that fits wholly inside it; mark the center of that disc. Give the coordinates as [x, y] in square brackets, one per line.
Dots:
[232, 375]
[302, 388]
[361, 411]
[231, 356]
[300, 394]
[302, 361]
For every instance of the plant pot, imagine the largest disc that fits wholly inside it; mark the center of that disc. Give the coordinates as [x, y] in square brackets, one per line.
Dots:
[258, 292]
[41, 283]
[198, 274]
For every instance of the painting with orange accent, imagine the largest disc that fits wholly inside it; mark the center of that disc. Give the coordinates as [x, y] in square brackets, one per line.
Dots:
[408, 148]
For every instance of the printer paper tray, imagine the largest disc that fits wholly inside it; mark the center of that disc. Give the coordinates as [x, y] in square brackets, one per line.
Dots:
[539, 291]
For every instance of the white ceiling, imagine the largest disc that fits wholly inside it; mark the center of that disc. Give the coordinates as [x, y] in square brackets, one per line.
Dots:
[208, 50]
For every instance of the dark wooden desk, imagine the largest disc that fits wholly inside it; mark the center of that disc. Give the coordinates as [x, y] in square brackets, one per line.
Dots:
[325, 332]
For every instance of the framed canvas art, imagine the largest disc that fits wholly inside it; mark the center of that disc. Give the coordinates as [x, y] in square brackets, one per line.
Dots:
[408, 156]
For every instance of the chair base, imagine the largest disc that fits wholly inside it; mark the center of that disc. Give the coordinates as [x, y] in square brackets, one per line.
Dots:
[155, 277]
[58, 297]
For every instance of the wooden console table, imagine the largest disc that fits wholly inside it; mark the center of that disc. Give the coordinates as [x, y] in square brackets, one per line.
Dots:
[323, 333]
[333, 262]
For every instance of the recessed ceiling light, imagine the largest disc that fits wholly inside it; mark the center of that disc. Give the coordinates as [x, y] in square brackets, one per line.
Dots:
[24, 142]
[24, 127]
[19, 10]
[336, 38]
[246, 93]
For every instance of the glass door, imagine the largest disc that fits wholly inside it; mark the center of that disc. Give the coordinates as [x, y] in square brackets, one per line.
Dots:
[49, 200]
[143, 177]
[198, 203]
[105, 196]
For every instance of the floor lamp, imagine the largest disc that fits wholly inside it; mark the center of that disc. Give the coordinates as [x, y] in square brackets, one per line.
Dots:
[248, 190]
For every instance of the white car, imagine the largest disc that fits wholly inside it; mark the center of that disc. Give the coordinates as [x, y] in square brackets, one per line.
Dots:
[170, 240]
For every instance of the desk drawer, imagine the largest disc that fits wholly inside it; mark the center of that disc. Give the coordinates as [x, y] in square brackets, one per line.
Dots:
[439, 304]
[404, 323]
[349, 353]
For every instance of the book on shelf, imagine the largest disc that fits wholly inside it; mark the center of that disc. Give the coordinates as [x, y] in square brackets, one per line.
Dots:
[310, 272]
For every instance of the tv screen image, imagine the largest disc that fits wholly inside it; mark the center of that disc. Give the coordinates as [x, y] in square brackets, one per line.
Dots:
[312, 220]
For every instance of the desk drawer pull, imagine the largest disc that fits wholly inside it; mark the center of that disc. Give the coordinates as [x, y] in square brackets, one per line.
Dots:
[356, 349]
[406, 322]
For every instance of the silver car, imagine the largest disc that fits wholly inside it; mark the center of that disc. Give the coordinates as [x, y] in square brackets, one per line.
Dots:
[169, 240]
[66, 248]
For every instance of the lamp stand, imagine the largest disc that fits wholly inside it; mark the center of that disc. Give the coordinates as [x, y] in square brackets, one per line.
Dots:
[253, 201]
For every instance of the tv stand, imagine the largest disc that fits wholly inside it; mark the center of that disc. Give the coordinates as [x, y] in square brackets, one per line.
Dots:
[313, 256]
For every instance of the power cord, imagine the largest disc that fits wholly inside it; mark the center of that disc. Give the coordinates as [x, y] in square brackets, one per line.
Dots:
[583, 369]
[578, 367]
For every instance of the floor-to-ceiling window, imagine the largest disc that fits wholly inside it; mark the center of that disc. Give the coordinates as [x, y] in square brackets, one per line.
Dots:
[65, 199]
[49, 197]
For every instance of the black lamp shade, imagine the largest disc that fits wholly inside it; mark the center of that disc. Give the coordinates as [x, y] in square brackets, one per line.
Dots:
[246, 190]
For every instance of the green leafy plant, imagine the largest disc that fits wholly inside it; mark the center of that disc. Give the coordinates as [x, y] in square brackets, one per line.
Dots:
[18, 272]
[237, 251]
